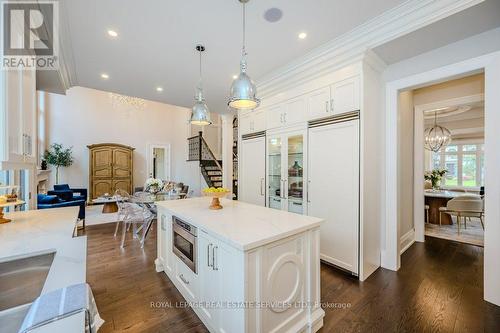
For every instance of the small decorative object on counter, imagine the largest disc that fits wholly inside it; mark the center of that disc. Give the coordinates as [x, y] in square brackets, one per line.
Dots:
[296, 170]
[435, 177]
[153, 185]
[216, 194]
[43, 165]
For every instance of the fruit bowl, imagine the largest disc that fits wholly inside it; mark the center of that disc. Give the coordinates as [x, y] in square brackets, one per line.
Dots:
[215, 194]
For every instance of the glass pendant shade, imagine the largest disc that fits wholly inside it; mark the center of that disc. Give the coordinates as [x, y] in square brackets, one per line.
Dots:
[436, 137]
[200, 115]
[243, 92]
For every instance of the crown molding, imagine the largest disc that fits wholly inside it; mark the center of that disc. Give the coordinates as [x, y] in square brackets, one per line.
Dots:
[352, 46]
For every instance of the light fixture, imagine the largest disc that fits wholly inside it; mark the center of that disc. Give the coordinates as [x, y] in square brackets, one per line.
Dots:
[199, 113]
[243, 90]
[235, 77]
[129, 101]
[302, 35]
[159, 89]
[104, 76]
[436, 137]
[112, 33]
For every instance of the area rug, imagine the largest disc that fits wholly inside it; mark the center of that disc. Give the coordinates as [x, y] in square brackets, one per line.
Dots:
[474, 233]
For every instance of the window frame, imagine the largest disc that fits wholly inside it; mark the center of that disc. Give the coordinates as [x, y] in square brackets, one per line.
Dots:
[479, 153]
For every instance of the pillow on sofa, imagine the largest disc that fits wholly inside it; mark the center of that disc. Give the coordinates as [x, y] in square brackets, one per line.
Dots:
[47, 199]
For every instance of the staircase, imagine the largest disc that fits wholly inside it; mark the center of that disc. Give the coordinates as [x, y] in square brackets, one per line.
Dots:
[210, 167]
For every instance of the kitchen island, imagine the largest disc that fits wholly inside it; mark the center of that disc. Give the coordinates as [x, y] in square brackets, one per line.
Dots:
[243, 268]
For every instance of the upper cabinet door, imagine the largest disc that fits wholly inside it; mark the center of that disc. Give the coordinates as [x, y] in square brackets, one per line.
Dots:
[274, 116]
[13, 108]
[259, 120]
[345, 96]
[318, 103]
[245, 123]
[295, 111]
[122, 162]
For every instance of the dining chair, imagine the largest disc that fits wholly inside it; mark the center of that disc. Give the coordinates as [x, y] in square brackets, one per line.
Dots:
[464, 206]
[135, 214]
[122, 197]
[427, 207]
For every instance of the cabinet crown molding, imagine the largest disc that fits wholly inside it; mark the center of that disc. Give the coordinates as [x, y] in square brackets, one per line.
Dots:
[350, 47]
[109, 144]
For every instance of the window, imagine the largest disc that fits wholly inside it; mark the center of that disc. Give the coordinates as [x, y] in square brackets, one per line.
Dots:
[465, 164]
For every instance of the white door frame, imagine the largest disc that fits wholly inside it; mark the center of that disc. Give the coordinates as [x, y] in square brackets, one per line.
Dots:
[490, 63]
[418, 157]
[167, 161]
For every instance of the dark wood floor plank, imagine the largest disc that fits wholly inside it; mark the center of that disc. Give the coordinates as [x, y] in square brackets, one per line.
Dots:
[439, 288]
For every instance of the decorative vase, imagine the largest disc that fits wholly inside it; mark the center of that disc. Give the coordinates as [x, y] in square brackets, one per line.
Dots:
[436, 184]
[295, 170]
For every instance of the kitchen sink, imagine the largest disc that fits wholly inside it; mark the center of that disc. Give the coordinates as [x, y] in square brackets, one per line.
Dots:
[21, 282]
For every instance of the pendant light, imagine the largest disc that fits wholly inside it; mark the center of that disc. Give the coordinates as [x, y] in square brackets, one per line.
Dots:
[199, 113]
[243, 90]
[436, 137]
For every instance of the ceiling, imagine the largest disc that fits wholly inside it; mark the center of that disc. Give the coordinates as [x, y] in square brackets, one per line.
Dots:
[156, 40]
[472, 21]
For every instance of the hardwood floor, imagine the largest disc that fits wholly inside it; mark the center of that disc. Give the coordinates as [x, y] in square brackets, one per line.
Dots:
[438, 289]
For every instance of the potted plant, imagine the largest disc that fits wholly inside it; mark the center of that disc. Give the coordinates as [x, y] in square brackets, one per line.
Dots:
[58, 156]
[435, 177]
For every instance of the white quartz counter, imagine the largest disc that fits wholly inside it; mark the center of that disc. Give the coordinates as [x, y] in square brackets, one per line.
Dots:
[241, 225]
[47, 230]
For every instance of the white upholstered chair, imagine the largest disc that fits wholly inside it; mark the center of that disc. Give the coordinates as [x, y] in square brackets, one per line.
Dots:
[464, 206]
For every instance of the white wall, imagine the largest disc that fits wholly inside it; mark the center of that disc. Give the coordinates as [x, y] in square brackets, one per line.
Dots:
[86, 116]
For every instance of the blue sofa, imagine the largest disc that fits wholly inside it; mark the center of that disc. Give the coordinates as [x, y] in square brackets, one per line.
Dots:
[45, 201]
[66, 193]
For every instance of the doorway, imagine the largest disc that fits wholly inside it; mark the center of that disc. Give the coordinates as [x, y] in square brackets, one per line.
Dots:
[159, 161]
[490, 65]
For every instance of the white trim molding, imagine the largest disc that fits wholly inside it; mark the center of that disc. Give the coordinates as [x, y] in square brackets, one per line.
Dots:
[407, 240]
[350, 47]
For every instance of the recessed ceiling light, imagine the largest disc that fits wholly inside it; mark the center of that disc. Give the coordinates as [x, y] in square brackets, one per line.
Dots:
[302, 35]
[159, 89]
[235, 77]
[104, 76]
[112, 33]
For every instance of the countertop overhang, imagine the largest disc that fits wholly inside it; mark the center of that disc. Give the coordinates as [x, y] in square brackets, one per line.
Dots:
[239, 224]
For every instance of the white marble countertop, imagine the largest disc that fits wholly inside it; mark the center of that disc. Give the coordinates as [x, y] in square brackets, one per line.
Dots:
[446, 194]
[241, 225]
[38, 231]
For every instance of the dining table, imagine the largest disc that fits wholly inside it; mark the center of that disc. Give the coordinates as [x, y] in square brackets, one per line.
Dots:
[439, 198]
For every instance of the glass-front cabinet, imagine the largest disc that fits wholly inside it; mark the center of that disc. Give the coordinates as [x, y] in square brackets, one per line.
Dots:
[285, 172]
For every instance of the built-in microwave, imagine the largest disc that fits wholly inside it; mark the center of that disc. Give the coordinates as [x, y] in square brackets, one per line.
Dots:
[184, 242]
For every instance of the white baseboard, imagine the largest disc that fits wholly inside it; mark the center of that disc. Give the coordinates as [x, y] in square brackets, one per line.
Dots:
[407, 240]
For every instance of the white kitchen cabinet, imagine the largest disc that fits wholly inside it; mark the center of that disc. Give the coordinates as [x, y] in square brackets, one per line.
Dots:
[18, 116]
[252, 174]
[164, 236]
[318, 103]
[287, 113]
[345, 95]
[333, 190]
[285, 171]
[252, 121]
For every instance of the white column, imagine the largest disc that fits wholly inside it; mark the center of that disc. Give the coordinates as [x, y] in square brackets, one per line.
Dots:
[227, 151]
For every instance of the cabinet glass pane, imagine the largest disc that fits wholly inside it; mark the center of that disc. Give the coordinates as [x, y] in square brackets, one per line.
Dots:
[295, 171]
[274, 173]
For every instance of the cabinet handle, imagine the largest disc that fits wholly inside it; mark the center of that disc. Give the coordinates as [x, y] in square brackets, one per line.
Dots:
[215, 265]
[208, 255]
[331, 105]
[284, 117]
[262, 186]
[308, 186]
[285, 189]
[281, 118]
[326, 106]
[183, 279]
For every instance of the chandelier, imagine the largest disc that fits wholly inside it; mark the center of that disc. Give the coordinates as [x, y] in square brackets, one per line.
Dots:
[436, 137]
[134, 102]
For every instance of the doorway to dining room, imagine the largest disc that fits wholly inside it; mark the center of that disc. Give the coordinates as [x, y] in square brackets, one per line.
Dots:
[441, 161]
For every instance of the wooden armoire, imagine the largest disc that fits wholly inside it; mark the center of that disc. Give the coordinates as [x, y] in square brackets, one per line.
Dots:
[110, 168]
